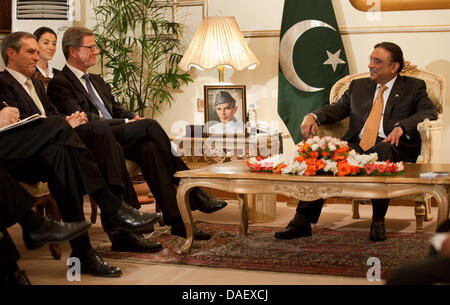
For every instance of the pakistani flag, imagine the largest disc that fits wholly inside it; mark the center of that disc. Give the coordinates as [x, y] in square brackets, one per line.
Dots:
[312, 59]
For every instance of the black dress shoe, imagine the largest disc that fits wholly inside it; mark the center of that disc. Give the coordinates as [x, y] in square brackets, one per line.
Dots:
[377, 231]
[177, 228]
[131, 242]
[52, 232]
[202, 201]
[93, 264]
[294, 231]
[128, 219]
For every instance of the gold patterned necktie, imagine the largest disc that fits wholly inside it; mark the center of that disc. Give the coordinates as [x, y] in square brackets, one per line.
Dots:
[34, 96]
[370, 133]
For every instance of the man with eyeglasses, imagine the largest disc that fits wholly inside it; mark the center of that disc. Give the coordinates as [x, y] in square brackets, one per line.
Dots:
[386, 128]
[144, 141]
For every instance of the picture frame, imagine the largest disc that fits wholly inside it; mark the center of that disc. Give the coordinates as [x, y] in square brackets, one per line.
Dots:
[221, 118]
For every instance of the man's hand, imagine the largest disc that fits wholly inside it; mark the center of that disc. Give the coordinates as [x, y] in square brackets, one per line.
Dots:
[136, 118]
[394, 136]
[8, 116]
[309, 126]
[76, 119]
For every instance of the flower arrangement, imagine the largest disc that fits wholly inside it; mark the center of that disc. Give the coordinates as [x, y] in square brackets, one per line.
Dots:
[325, 155]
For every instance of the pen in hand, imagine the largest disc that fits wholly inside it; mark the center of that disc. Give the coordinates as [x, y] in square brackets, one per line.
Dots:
[4, 103]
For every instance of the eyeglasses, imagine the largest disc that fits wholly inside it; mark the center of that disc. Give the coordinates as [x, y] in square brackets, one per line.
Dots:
[91, 48]
[377, 61]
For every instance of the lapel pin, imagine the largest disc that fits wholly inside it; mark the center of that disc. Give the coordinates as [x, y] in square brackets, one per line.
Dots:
[397, 95]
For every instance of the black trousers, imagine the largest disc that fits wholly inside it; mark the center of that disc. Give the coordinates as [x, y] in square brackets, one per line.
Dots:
[14, 200]
[50, 150]
[108, 154]
[310, 211]
[146, 143]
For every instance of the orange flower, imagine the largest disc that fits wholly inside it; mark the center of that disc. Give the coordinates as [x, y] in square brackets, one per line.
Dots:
[344, 168]
[279, 168]
[337, 156]
[314, 154]
[306, 147]
[300, 158]
[354, 170]
[320, 164]
[325, 154]
[310, 162]
[310, 171]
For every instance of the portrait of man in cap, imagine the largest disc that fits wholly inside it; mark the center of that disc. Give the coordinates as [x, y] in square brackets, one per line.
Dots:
[225, 107]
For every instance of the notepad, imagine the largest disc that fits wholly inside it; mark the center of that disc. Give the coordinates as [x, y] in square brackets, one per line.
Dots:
[25, 121]
[434, 174]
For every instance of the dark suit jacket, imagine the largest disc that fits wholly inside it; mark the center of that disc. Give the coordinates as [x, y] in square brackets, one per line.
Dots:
[16, 96]
[68, 94]
[408, 104]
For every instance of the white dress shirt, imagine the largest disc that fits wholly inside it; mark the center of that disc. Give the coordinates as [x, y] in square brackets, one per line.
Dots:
[79, 74]
[49, 70]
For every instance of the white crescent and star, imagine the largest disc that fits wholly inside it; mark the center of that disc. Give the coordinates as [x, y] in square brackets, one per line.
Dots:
[287, 50]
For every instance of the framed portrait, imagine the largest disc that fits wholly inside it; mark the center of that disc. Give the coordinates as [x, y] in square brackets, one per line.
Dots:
[225, 109]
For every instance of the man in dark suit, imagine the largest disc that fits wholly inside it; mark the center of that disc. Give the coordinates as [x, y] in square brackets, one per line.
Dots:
[16, 207]
[96, 135]
[50, 150]
[143, 140]
[388, 129]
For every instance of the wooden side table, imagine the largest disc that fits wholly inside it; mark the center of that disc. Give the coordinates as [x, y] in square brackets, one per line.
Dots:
[200, 152]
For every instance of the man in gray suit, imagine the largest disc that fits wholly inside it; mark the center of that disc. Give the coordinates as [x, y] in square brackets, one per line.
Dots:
[393, 135]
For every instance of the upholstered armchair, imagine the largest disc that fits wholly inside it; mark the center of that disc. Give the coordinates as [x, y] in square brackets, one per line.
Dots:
[430, 131]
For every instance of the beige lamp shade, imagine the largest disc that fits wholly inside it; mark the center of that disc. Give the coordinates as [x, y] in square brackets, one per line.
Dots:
[218, 42]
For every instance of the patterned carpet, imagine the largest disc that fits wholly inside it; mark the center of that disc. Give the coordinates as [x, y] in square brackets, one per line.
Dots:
[327, 252]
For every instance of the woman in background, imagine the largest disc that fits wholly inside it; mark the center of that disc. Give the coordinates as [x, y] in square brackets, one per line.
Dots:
[46, 39]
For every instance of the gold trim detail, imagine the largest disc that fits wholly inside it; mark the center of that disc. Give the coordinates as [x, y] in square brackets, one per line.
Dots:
[362, 30]
[399, 5]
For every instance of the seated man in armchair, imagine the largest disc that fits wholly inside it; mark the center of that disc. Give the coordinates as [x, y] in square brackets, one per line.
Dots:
[384, 110]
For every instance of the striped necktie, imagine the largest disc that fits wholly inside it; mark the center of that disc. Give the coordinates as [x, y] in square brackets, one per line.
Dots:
[34, 96]
[370, 133]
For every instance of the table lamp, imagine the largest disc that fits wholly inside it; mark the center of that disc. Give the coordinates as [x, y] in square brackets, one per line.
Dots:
[218, 42]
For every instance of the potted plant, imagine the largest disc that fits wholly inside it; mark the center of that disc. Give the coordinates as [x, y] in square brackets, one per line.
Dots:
[140, 51]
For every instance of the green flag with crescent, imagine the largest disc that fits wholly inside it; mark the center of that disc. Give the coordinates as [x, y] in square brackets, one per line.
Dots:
[312, 59]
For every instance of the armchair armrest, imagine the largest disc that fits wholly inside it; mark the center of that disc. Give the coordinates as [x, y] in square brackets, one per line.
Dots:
[430, 133]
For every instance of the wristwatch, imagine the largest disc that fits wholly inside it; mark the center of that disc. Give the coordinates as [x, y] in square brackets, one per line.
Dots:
[315, 118]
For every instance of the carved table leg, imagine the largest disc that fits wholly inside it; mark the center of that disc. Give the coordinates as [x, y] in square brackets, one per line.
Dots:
[420, 214]
[428, 216]
[186, 215]
[243, 206]
[355, 209]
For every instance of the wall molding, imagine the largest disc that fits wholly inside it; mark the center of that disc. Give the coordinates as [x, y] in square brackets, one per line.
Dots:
[399, 5]
[363, 30]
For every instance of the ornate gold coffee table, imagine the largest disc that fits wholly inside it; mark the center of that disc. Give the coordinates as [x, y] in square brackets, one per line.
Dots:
[235, 177]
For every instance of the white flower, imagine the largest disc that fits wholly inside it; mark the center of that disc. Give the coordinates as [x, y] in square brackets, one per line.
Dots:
[314, 147]
[330, 166]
